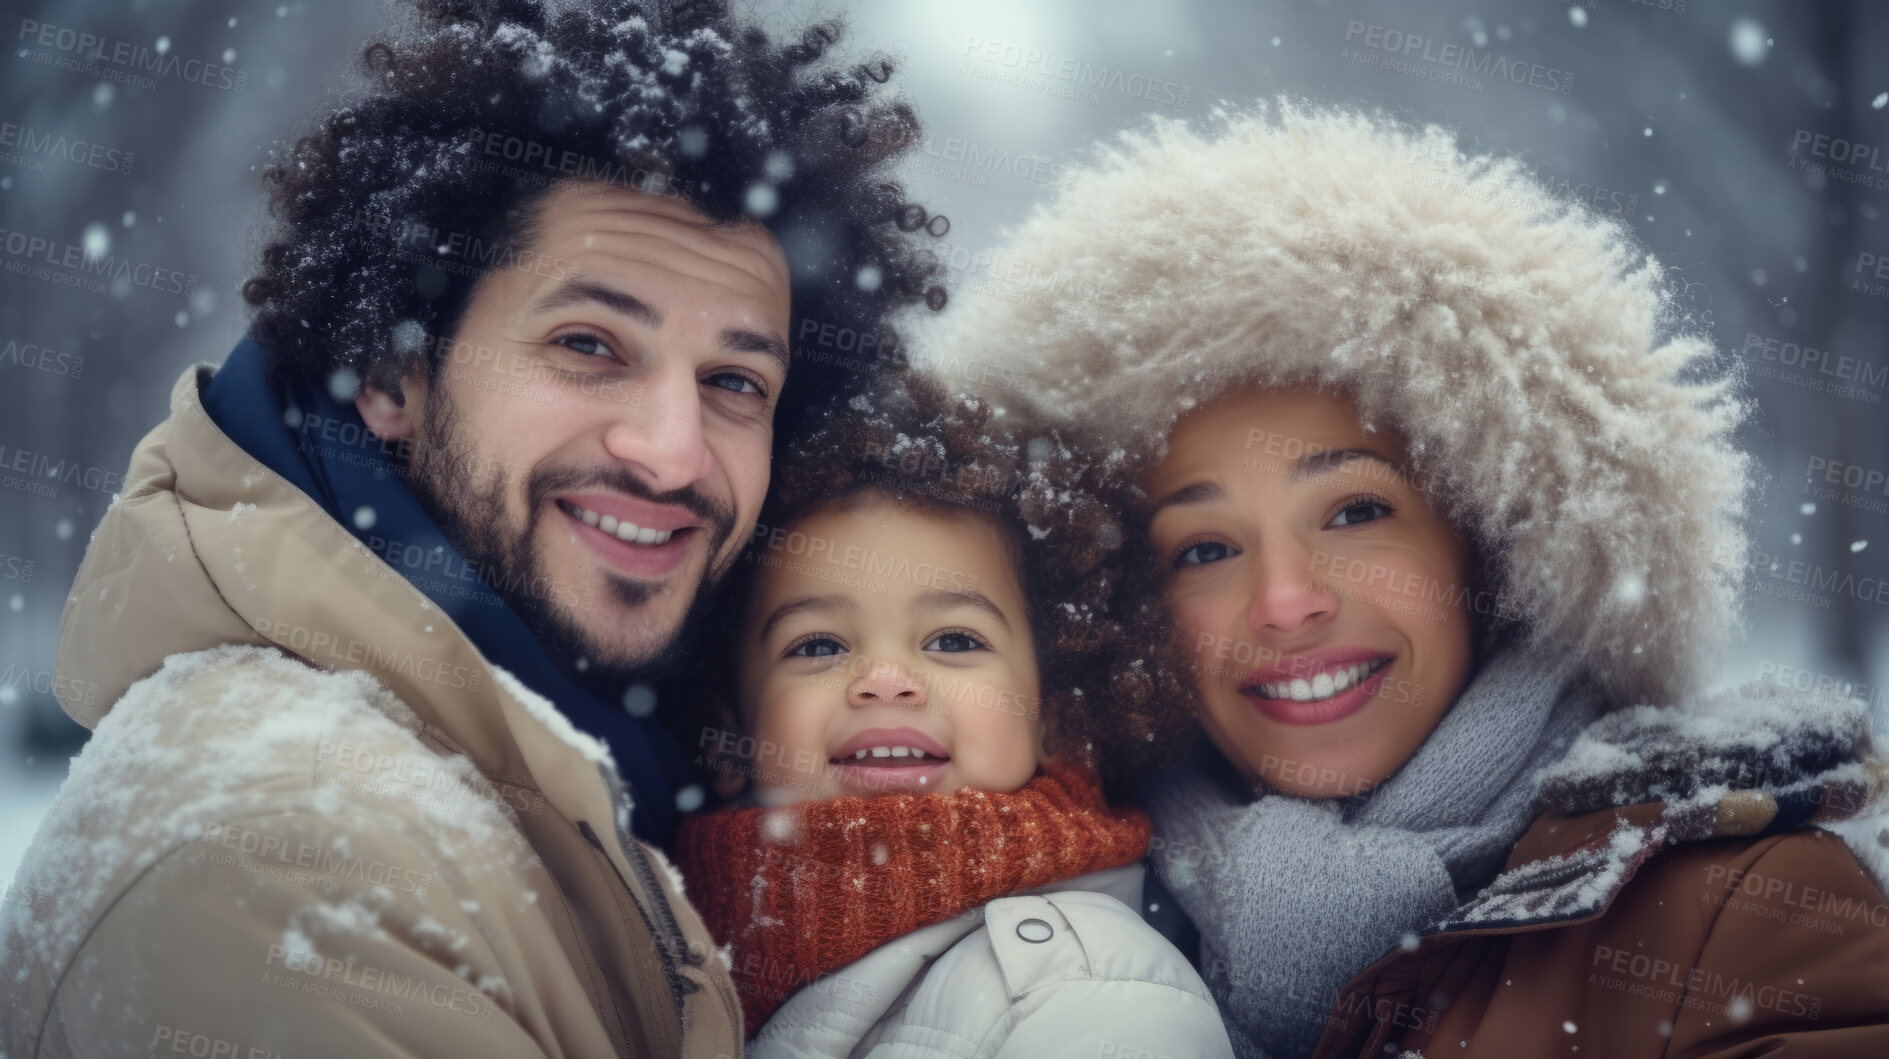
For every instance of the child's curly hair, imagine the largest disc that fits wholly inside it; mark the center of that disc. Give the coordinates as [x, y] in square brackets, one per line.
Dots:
[1117, 690]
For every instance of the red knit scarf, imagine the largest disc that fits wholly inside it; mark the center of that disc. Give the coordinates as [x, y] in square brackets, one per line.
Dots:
[808, 888]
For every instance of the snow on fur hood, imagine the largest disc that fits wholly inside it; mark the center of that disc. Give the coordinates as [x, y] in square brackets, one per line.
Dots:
[1538, 364]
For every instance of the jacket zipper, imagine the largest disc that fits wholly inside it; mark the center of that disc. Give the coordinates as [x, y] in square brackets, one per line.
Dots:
[679, 987]
[646, 874]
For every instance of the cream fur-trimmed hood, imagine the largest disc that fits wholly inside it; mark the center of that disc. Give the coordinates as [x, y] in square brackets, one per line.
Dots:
[1550, 388]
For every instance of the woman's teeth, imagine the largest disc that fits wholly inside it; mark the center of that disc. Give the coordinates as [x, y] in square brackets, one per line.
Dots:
[1322, 686]
[623, 531]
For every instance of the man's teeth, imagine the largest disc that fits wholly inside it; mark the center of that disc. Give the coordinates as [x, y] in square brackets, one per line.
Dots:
[623, 531]
[1322, 686]
[887, 751]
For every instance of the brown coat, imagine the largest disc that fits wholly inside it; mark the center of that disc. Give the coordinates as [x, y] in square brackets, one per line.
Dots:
[1641, 931]
[312, 820]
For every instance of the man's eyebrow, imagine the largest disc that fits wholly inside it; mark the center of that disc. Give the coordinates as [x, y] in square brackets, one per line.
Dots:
[739, 341]
[945, 599]
[1197, 493]
[1325, 461]
[580, 291]
[827, 604]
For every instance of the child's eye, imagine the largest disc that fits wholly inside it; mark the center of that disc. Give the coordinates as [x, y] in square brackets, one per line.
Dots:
[1360, 511]
[816, 647]
[1201, 553]
[955, 641]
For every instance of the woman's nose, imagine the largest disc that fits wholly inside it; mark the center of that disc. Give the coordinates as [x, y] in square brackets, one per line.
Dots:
[1286, 596]
[884, 683]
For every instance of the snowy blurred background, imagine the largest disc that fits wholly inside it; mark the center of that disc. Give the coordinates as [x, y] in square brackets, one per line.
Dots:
[1746, 141]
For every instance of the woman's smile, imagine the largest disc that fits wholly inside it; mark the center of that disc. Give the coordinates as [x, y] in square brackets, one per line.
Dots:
[1321, 693]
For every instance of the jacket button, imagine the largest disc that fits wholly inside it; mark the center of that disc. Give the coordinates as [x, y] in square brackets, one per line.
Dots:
[1035, 931]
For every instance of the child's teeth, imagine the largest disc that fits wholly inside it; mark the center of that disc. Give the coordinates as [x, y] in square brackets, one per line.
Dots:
[888, 752]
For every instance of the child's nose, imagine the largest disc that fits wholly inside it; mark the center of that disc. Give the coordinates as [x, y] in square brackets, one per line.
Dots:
[886, 683]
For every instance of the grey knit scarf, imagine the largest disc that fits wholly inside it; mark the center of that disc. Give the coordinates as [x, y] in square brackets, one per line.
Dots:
[1294, 896]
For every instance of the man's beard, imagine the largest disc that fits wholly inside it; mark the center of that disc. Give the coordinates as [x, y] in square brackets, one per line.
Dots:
[470, 509]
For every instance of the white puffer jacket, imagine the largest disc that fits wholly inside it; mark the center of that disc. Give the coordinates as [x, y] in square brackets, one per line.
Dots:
[1066, 970]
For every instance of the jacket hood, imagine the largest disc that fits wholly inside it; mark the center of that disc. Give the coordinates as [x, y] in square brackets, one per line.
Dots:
[1552, 391]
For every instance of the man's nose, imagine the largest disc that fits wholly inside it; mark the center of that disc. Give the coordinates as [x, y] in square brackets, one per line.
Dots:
[658, 432]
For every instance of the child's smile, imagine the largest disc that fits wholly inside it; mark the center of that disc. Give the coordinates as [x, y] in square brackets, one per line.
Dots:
[911, 671]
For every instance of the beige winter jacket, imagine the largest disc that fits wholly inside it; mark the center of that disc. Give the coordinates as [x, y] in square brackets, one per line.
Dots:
[313, 821]
[1068, 970]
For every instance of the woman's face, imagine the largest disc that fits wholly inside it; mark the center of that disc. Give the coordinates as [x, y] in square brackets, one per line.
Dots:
[1326, 604]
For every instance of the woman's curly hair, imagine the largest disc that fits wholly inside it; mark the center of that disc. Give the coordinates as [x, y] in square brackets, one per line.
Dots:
[390, 210]
[1117, 687]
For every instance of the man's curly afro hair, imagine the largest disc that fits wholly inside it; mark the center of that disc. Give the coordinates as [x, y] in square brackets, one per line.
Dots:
[389, 211]
[1117, 688]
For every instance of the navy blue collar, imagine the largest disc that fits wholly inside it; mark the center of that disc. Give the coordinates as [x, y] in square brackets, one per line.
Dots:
[324, 449]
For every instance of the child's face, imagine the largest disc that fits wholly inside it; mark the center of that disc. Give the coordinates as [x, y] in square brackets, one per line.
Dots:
[1327, 604]
[896, 631]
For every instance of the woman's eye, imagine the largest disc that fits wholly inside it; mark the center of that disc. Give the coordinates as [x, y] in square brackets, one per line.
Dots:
[590, 345]
[818, 647]
[954, 642]
[729, 380]
[1202, 553]
[1361, 511]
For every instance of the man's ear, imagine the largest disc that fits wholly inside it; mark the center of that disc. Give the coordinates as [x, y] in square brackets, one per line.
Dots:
[391, 416]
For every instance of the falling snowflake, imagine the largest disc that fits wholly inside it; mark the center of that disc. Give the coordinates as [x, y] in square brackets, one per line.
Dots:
[639, 700]
[1748, 41]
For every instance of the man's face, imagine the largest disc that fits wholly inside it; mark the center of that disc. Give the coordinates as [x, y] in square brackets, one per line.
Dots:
[598, 429]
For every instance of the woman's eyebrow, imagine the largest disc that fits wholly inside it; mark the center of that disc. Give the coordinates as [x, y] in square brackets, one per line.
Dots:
[1325, 461]
[945, 599]
[831, 603]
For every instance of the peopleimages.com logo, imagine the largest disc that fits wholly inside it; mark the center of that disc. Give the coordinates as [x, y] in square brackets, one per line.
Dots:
[134, 65]
[1459, 62]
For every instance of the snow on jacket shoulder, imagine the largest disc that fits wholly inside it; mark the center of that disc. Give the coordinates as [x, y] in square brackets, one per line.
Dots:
[314, 820]
[246, 834]
[1069, 970]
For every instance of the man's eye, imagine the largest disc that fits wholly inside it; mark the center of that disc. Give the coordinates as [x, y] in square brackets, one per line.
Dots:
[729, 380]
[587, 344]
[1202, 553]
[1361, 511]
[955, 642]
[817, 647]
